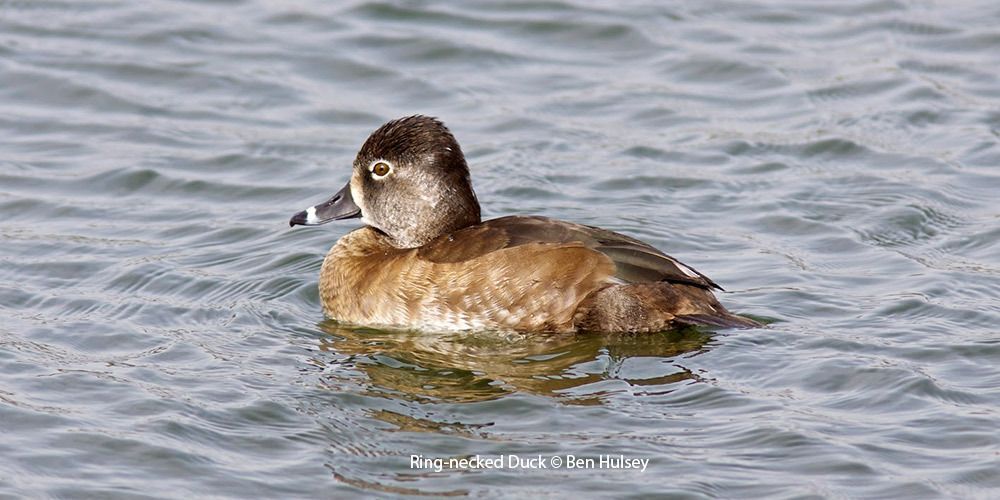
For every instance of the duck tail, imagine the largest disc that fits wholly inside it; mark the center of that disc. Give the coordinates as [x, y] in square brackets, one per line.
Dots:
[721, 319]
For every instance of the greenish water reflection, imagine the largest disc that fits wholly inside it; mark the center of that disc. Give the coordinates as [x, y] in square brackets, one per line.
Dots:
[457, 367]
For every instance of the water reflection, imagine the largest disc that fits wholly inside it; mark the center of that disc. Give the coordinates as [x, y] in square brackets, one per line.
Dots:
[462, 367]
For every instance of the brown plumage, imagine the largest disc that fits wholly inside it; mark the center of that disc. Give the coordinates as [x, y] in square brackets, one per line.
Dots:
[425, 260]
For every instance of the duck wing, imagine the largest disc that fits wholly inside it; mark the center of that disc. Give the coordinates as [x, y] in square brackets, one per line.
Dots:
[635, 261]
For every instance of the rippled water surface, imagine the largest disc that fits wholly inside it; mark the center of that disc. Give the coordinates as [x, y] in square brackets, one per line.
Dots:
[833, 165]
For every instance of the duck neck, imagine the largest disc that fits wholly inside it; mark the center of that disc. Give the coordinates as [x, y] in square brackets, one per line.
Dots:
[421, 225]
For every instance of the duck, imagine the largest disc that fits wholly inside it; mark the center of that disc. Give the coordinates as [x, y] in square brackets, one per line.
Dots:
[425, 260]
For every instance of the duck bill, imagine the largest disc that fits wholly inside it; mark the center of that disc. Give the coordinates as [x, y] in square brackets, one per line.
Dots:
[341, 206]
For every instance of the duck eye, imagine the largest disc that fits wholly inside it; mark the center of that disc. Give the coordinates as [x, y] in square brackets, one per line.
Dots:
[381, 169]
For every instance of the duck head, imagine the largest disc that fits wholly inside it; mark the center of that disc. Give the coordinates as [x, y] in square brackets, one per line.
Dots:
[410, 181]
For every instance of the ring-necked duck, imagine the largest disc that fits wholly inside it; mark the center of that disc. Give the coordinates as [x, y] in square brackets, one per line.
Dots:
[426, 260]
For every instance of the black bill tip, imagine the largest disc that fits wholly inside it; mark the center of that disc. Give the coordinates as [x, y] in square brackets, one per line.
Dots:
[298, 219]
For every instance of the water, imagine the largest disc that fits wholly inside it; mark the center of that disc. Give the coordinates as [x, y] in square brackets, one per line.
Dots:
[833, 166]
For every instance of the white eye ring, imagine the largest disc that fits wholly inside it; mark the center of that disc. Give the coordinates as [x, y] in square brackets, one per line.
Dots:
[378, 164]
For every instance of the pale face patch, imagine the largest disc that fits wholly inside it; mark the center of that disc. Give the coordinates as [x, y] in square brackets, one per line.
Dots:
[359, 199]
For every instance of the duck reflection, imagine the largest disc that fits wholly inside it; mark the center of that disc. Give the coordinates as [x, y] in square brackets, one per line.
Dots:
[459, 367]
